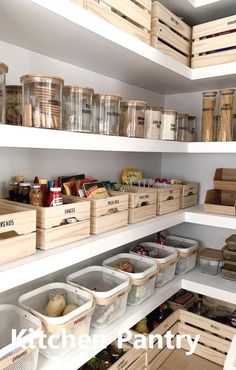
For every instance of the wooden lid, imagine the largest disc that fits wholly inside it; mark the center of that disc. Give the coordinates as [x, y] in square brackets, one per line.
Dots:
[156, 109]
[182, 115]
[77, 88]
[209, 94]
[211, 254]
[3, 68]
[231, 240]
[227, 91]
[169, 111]
[126, 103]
[14, 88]
[107, 96]
[42, 78]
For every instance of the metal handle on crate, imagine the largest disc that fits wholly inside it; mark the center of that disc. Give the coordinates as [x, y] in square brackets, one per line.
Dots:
[5, 363]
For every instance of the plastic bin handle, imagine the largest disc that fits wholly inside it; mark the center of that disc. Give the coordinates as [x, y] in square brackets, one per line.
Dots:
[6, 363]
[164, 266]
[146, 278]
[114, 297]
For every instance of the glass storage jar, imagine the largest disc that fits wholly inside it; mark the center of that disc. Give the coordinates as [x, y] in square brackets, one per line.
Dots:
[42, 101]
[14, 105]
[106, 114]
[77, 108]
[152, 124]
[192, 128]
[182, 126]
[168, 124]
[3, 72]
[225, 132]
[208, 115]
[132, 118]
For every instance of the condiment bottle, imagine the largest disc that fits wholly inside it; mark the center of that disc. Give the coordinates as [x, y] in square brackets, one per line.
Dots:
[24, 192]
[55, 197]
[44, 190]
[36, 197]
[14, 191]
[36, 180]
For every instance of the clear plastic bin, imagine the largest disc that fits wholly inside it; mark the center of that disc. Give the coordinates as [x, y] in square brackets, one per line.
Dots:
[209, 261]
[143, 279]
[77, 322]
[167, 259]
[187, 249]
[13, 355]
[110, 290]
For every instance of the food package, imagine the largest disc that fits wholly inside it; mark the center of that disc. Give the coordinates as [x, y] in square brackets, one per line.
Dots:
[129, 175]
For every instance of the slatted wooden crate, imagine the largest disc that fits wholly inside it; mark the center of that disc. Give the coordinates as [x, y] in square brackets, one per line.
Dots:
[17, 232]
[168, 199]
[51, 232]
[214, 42]
[132, 16]
[189, 194]
[133, 359]
[170, 34]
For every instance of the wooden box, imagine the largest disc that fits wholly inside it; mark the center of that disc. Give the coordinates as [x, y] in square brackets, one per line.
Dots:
[17, 232]
[130, 16]
[189, 194]
[109, 213]
[133, 359]
[214, 42]
[225, 179]
[168, 199]
[50, 232]
[220, 201]
[170, 34]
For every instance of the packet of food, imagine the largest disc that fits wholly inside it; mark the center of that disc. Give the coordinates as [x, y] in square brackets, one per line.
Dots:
[95, 190]
[129, 175]
[68, 179]
[70, 188]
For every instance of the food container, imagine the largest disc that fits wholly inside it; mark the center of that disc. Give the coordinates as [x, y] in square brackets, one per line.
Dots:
[18, 354]
[187, 253]
[191, 135]
[208, 115]
[76, 322]
[228, 254]
[226, 115]
[106, 112]
[182, 126]
[209, 261]
[77, 108]
[109, 289]
[228, 271]
[42, 101]
[231, 243]
[168, 124]
[166, 258]
[144, 276]
[132, 118]
[3, 72]
[14, 105]
[152, 124]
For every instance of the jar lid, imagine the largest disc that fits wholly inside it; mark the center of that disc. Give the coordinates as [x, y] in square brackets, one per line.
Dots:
[227, 92]
[157, 109]
[36, 186]
[126, 103]
[211, 254]
[77, 88]
[43, 181]
[192, 118]
[25, 184]
[3, 68]
[209, 94]
[169, 111]
[42, 78]
[55, 189]
[13, 88]
[183, 115]
[20, 178]
[106, 95]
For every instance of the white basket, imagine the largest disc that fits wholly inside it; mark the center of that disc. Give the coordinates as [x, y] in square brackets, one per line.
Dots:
[187, 249]
[76, 323]
[143, 280]
[109, 288]
[21, 354]
[167, 259]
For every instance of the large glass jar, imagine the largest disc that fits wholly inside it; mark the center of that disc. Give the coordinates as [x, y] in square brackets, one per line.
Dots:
[226, 115]
[42, 101]
[132, 118]
[106, 114]
[3, 72]
[191, 136]
[152, 125]
[14, 105]
[208, 115]
[77, 108]
[168, 124]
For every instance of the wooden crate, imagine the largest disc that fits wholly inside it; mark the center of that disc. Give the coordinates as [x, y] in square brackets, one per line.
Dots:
[189, 194]
[50, 232]
[220, 201]
[214, 42]
[168, 199]
[170, 34]
[109, 213]
[225, 179]
[130, 16]
[133, 359]
[17, 232]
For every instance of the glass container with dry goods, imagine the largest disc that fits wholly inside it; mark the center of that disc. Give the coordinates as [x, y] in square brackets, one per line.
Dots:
[14, 105]
[132, 118]
[42, 101]
[191, 128]
[77, 108]
[152, 124]
[226, 115]
[106, 114]
[208, 115]
[168, 124]
[182, 126]
[3, 72]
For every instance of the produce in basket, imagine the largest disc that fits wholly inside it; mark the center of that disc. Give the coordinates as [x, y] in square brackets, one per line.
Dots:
[126, 266]
[55, 306]
[69, 308]
[140, 249]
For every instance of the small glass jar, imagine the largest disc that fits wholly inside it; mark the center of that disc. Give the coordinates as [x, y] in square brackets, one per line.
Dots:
[14, 105]
[208, 115]
[168, 124]
[152, 125]
[226, 115]
[42, 101]
[182, 126]
[24, 192]
[3, 72]
[106, 114]
[14, 191]
[36, 196]
[191, 136]
[132, 118]
[77, 108]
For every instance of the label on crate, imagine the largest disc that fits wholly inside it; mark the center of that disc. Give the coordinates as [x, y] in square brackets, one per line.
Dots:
[69, 210]
[7, 223]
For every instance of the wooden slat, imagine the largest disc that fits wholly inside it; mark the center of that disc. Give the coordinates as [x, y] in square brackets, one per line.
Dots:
[169, 51]
[168, 206]
[189, 201]
[15, 218]
[108, 206]
[147, 4]
[190, 188]
[130, 359]
[142, 213]
[109, 222]
[214, 43]
[222, 57]
[158, 361]
[137, 365]
[207, 353]
[210, 28]
[168, 193]
[12, 249]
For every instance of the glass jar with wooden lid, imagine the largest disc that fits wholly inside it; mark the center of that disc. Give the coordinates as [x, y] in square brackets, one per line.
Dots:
[132, 118]
[182, 126]
[106, 114]
[168, 124]
[208, 115]
[14, 105]
[152, 124]
[42, 101]
[77, 108]
[3, 72]
[226, 115]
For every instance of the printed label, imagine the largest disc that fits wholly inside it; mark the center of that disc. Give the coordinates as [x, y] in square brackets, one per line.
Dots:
[140, 120]
[6, 223]
[112, 202]
[54, 102]
[157, 123]
[86, 111]
[113, 114]
[144, 197]
[69, 210]
[56, 202]
[232, 22]
[18, 357]
[173, 127]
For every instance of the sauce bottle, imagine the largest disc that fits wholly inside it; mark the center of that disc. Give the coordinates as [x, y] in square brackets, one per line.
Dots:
[55, 197]
[36, 196]
[44, 190]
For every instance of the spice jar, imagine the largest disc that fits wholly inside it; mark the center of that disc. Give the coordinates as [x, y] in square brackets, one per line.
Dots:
[191, 136]
[208, 115]
[152, 123]
[77, 108]
[182, 126]
[226, 115]
[14, 105]
[132, 118]
[36, 196]
[24, 192]
[106, 114]
[42, 100]
[168, 124]
[3, 72]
